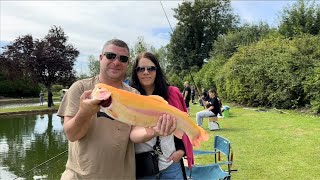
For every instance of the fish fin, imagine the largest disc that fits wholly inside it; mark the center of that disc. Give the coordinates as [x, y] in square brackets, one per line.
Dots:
[178, 133]
[158, 98]
[203, 136]
[113, 115]
[110, 113]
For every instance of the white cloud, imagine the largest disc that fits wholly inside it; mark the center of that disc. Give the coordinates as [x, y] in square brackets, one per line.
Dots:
[88, 24]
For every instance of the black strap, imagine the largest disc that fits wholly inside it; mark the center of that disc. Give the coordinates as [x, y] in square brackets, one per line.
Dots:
[158, 141]
[157, 147]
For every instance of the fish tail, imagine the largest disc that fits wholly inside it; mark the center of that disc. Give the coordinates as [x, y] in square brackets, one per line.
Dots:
[203, 136]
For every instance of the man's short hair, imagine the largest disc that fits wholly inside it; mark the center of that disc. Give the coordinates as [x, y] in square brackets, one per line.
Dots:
[116, 42]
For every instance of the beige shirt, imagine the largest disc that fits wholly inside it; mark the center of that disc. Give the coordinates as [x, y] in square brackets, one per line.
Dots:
[106, 151]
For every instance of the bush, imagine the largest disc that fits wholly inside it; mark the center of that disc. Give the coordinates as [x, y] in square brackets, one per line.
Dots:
[271, 73]
[57, 88]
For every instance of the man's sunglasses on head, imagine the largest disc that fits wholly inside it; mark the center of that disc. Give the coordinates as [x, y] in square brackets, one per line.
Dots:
[148, 68]
[113, 56]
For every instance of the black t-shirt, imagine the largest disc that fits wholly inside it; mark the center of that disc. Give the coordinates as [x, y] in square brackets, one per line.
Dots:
[215, 103]
[189, 92]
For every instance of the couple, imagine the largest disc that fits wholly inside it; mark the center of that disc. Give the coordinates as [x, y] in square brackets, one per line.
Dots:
[100, 148]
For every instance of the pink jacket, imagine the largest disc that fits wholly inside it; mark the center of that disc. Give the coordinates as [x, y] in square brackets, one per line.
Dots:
[175, 99]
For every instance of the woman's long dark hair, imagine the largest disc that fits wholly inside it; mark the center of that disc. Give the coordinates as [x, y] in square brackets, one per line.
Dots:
[161, 84]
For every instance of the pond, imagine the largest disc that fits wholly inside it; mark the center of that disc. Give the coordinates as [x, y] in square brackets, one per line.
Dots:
[32, 147]
[23, 104]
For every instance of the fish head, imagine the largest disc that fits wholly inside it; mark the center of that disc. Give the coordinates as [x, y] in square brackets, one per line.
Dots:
[102, 93]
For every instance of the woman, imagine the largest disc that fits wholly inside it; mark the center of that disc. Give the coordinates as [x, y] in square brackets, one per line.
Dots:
[148, 78]
[212, 105]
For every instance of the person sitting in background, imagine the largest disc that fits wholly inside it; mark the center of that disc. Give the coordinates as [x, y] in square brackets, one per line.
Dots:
[212, 105]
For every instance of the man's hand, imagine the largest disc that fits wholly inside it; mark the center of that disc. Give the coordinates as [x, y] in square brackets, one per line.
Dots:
[76, 127]
[88, 106]
[165, 126]
[176, 156]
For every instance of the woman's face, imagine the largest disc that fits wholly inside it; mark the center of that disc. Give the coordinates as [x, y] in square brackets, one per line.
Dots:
[147, 73]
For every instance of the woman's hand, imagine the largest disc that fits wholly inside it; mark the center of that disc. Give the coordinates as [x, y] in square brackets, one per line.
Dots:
[165, 126]
[176, 156]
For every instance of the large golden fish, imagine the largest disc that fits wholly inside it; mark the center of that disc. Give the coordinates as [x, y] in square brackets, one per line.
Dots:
[139, 110]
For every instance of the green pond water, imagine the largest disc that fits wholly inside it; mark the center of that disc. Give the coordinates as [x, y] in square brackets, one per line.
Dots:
[29, 141]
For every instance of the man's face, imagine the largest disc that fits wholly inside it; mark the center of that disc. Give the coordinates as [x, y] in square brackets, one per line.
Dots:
[114, 68]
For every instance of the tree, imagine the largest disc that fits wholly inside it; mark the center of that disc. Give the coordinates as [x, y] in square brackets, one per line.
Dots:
[199, 25]
[141, 46]
[94, 65]
[47, 61]
[54, 59]
[302, 17]
[226, 45]
[16, 79]
[15, 57]
[162, 55]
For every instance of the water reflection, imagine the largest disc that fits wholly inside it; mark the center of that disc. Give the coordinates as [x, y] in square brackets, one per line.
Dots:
[27, 141]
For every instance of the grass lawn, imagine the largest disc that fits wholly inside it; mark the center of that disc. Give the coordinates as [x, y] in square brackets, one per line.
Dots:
[29, 109]
[268, 145]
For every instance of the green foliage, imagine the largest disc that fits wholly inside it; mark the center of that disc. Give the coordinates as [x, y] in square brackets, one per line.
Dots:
[94, 66]
[18, 88]
[82, 76]
[312, 87]
[57, 88]
[141, 46]
[47, 61]
[199, 24]
[302, 17]
[206, 76]
[228, 44]
[271, 72]
[175, 80]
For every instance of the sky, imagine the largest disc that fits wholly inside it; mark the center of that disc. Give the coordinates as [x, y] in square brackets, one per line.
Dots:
[89, 24]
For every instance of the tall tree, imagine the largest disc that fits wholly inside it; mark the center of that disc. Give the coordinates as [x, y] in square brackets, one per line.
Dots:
[199, 25]
[15, 57]
[94, 65]
[16, 79]
[226, 45]
[54, 59]
[302, 17]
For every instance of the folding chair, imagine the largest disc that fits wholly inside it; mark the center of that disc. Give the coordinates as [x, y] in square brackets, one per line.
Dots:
[213, 171]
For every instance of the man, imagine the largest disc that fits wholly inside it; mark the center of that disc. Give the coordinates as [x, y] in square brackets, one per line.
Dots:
[101, 148]
[187, 95]
[212, 105]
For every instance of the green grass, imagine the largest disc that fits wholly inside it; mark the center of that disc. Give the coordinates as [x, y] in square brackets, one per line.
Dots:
[29, 108]
[268, 145]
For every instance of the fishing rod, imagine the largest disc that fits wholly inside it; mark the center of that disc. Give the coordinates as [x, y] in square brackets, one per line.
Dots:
[197, 89]
[41, 164]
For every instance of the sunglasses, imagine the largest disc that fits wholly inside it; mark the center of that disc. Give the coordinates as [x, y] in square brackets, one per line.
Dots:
[149, 69]
[113, 56]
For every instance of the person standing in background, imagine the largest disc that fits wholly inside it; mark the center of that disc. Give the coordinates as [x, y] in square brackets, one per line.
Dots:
[186, 95]
[193, 94]
[41, 95]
